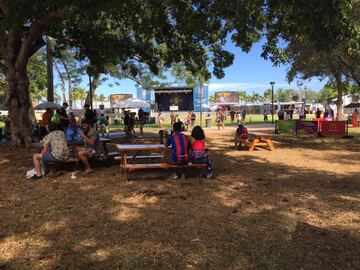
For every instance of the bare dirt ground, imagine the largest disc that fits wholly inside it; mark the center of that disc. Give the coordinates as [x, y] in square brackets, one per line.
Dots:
[295, 208]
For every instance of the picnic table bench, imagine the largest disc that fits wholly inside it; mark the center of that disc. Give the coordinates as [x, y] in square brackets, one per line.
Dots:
[261, 139]
[157, 152]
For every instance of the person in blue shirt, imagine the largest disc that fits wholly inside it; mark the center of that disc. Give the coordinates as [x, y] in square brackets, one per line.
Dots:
[179, 148]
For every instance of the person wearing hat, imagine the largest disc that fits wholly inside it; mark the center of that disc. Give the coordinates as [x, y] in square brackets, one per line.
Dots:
[91, 140]
[64, 118]
[90, 115]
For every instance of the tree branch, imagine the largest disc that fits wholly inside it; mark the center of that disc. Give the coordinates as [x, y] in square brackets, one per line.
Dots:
[4, 7]
[36, 31]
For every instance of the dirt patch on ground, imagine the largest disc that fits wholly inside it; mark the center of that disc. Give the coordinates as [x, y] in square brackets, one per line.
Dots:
[295, 208]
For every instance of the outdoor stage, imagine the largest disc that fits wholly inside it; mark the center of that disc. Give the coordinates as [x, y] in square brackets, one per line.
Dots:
[174, 98]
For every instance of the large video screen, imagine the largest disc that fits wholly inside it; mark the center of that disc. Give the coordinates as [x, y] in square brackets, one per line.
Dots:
[227, 97]
[116, 98]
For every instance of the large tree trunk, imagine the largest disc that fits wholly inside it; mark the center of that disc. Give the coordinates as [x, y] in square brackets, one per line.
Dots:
[19, 104]
[49, 67]
[63, 90]
[340, 91]
[94, 85]
[68, 75]
[17, 47]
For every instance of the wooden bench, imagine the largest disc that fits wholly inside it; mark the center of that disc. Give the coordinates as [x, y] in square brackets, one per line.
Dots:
[163, 165]
[276, 143]
[113, 154]
[57, 165]
[140, 157]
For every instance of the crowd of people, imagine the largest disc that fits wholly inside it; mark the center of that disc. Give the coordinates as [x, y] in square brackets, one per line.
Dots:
[58, 128]
[130, 121]
[188, 122]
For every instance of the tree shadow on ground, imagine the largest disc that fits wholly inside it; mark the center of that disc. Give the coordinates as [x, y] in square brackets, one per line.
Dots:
[255, 215]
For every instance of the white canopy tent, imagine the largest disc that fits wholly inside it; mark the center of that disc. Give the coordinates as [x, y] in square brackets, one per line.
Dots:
[45, 105]
[132, 103]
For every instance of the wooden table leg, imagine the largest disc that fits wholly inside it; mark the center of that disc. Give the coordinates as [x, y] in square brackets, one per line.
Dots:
[253, 144]
[123, 165]
[105, 148]
[270, 144]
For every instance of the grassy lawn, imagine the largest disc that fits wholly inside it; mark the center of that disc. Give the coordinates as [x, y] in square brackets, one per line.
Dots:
[251, 119]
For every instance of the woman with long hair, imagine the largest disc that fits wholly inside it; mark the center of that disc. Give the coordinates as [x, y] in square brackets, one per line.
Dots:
[199, 153]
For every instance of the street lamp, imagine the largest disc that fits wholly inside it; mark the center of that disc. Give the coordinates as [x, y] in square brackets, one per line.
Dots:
[272, 101]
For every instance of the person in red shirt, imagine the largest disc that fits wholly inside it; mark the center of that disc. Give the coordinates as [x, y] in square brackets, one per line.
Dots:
[46, 119]
[241, 136]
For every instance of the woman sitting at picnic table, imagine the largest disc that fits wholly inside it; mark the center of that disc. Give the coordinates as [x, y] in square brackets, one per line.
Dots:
[91, 141]
[241, 136]
[199, 153]
[55, 149]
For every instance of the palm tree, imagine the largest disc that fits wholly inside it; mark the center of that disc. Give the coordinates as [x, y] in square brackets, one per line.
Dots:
[95, 99]
[79, 94]
[101, 98]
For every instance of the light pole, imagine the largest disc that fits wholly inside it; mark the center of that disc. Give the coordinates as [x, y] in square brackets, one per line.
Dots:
[272, 101]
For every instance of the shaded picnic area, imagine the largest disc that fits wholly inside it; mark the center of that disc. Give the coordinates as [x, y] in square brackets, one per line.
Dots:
[293, 208]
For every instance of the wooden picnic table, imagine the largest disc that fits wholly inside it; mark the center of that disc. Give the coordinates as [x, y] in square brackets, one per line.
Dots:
[124, 149]
[260, 139]
[157, 151]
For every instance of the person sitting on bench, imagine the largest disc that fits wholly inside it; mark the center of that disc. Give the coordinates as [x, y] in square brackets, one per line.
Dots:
[241, 136]
[55, 149]
[199, 153]
[179, 148]
[91, 140]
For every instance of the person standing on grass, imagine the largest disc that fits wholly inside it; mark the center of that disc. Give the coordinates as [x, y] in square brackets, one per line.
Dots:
[193, 118]
[179, 149]
[172, 118]
[102, 122]
[160, 119]
[107, 124]
[222, 119]
[218, 120]
[244, 113]
[239, 117]
[54, 149]
[141, 118]
[188, 121]
[318, 113]
[301, 113]
[127, 122]
[132, 125]
[91, 140]
[199, 153]
[232, 115]
[291, 113]
[265, 113]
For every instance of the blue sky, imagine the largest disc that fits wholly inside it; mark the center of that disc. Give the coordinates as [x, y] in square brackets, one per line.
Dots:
[249, 72]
